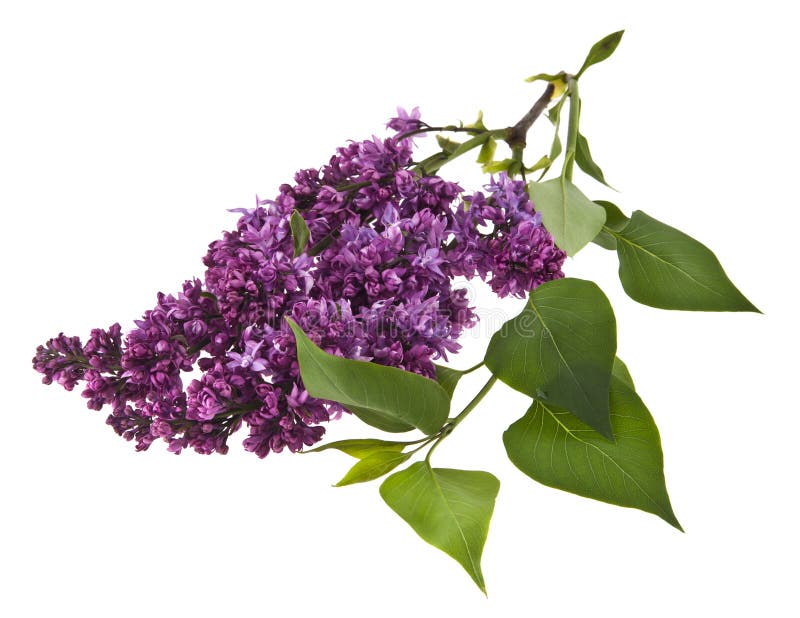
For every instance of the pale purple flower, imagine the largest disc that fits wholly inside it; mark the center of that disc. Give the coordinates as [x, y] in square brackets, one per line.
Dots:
[405, 122]
[249, 359]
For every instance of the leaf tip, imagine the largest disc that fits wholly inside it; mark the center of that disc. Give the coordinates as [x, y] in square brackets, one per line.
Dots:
[603, 426]
[607, 433]
[750, 307]
[479, 581]
[672, 520]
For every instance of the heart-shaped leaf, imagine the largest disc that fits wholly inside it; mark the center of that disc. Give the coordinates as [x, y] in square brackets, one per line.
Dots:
[571, 217]
[561, 349]
[450, 509]
[553, 447]
[662, 267]
[381, 394]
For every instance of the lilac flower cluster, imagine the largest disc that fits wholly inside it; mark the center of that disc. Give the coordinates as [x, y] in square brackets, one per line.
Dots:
[501, 235]
[375, 283]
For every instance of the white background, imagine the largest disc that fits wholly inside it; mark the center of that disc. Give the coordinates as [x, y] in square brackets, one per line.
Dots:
[128, 129]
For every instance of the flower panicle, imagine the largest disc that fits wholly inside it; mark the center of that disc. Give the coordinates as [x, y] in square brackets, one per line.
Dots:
[379, 289]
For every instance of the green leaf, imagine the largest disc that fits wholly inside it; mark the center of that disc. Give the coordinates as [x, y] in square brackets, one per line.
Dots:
[558, 82]
[554, 113]
[384, 393]
[553, 447]
[615, 219]
[373, 466]
[544, 77]
[300, 233]
[450, 509]
[478, 124]
[620, 371]
[487, 151]
[497, 166]
[583, 157]
[448, 378]
[447, 144]
[571, 217]
[662, 267]
[361, 447]
[555, 149]
[561, 349]
[541, 164]
[601, 50]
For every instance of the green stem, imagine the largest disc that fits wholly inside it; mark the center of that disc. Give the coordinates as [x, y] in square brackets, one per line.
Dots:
[452, 424]
[475, 401]
[572, 129]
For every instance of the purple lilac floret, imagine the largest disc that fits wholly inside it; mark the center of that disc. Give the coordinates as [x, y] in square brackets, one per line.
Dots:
[374, 284]
[500, 236]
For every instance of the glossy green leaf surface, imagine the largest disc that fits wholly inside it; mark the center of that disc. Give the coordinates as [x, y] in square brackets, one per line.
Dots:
[561, 349]
[553, 447]
[390, 395]
[571, 217]
[450, 509]
[601, 50]
[373, 466]
[300, 233]
[662, 267]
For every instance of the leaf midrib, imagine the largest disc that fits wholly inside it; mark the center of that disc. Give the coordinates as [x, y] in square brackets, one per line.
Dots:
[662, 260]
[605, 455]
[439, 489]
[560, 355]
